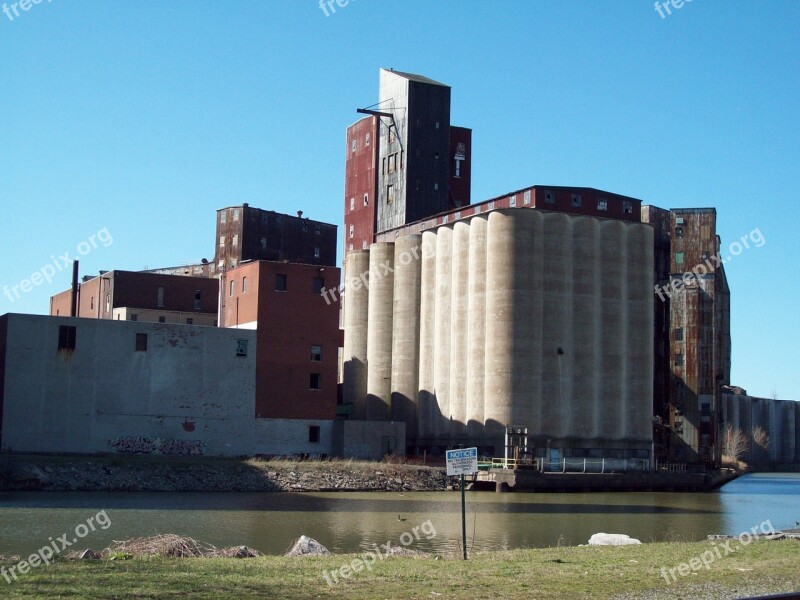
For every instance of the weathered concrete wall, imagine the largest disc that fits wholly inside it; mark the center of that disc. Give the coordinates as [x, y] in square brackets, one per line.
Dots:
[369, 440]
[533, 319]
[779, 419]
[189, 392]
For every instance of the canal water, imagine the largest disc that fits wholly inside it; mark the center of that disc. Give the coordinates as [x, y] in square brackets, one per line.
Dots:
[351, 522]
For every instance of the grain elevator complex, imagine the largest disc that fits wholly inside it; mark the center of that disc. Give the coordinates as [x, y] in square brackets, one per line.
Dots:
[552, 323]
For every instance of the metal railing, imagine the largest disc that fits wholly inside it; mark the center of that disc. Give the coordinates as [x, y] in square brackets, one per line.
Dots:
[572, 465]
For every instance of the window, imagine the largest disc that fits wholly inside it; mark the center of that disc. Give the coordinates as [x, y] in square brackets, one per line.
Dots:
[402, 153]
[141, 342]
[383, 168]
[263, 243]
[91, 302]
[66, 337]
[235, 240]
[162, 319]
[366, 199]
[436, 186]
[392, 162]
[160, 298]
[134, 317]
[679, 258]
[391, 135]
[315, 381]
[313, 434]
[678, 334]
[222, 241]
[319, 283]
[189, 321]
[352, 231]
[576, 200]
[108, 302]
[389, 194]
[513, 200]
[367, 139]
[679, 232]
[458, 168]
[316, 353]
[353, 146]
[526, 197]
[223, 216]
[244, 285]
[705, 231]
[235, 214]
[627, 207]
[198, 300]
[280, 283]
[352, 204]
[549, 197]
[316, 251]
[679, 360]
[679, 220]
[231, 287]
[317, 230]
[241, 347]
[602, 204]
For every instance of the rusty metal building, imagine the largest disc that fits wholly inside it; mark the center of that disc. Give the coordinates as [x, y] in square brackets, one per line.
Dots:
[405, 161]
[692, 343]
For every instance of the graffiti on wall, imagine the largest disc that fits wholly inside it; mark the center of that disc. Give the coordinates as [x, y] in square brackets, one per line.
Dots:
[134, 444]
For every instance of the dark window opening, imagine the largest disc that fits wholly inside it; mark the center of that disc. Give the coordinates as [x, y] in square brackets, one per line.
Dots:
[319, 283]
[241, 347]
[66, 337]
[315, 382]
[162, 319]
[316, 353]
[280, 283]
[141, 342]
[679, 334]
[189, 321]
[198, 300]
[313, 434]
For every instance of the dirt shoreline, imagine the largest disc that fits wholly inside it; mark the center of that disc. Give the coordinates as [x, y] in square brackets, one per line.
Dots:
[158, 474]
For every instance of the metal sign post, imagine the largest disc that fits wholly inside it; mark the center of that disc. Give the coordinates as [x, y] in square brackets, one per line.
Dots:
[462, 462]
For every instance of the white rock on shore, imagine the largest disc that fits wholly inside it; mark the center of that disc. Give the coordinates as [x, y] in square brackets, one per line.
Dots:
[612, 539]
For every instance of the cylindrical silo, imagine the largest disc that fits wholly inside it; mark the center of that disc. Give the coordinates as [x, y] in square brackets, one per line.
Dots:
[499, 324]
[442, 328]
[458, 329]
[379, 337]
[557, 346]
[405, 339]
[476, 326]
[525, 377]
[639, 352]
[356, 313]
[613, 296]
[585, 348]
[427, 407]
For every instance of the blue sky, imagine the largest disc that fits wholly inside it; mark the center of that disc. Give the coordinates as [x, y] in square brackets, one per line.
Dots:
[142, 118]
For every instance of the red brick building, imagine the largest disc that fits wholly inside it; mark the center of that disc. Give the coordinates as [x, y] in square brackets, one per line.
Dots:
[138, 296]
[298, 336]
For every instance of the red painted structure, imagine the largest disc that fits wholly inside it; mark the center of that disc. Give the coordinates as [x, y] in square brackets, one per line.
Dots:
[283, 301]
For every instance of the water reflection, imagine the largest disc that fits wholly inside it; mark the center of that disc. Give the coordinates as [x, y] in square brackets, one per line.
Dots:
[347, 522]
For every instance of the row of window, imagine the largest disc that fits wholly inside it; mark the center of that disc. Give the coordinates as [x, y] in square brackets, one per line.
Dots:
[161, 295]
[577, 202]
[223, 216]
[281, 282]
[353, 202]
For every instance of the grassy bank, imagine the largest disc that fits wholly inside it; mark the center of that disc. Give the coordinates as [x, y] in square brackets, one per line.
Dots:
[567, 572]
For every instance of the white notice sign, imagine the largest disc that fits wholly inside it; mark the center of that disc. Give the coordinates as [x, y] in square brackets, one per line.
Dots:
[462, 462]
